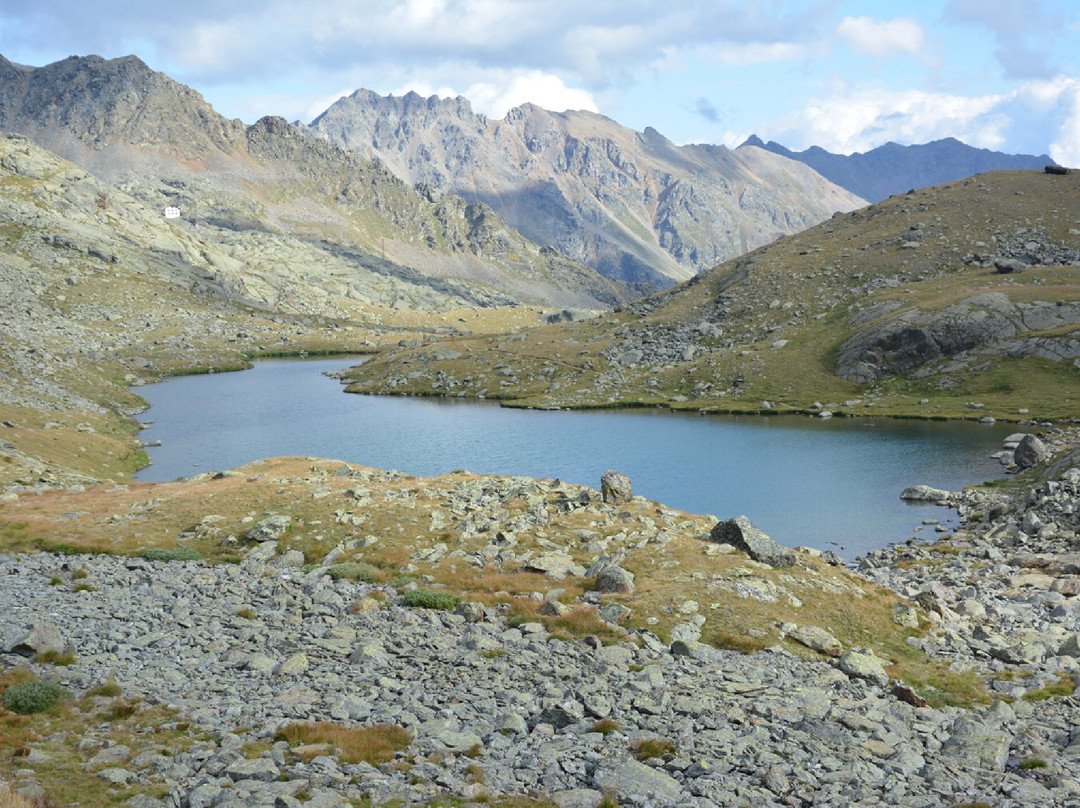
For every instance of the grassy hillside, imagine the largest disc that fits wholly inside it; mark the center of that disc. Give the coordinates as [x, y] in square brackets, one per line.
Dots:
[896, 308]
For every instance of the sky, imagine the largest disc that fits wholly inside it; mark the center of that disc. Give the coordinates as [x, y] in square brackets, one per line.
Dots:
[843, 75]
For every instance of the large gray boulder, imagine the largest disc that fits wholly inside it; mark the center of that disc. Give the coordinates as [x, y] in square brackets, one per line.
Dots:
[271, 528]
[924, 493]
[1030, 452]
[977, 745]
[742, 535]
[614, 578]
[41, 638]
[636, 783]
[615, 487]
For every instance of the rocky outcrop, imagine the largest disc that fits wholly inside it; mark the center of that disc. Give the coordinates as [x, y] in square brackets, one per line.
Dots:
[907, 342]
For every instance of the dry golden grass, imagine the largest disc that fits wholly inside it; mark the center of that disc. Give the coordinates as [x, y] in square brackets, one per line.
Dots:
[10, 799]
[374, 745]
[57, 733]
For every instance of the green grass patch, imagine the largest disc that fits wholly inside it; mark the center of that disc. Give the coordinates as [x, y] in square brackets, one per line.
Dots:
[172, 554]
[1064, 687]
[58, 658]
[430, 599]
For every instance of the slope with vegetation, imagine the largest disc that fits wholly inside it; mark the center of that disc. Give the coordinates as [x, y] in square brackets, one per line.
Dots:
[921, 305]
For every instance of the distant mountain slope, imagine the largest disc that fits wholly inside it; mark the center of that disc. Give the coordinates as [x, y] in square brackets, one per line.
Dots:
[895, 169]
[631, 204]
[162, 143]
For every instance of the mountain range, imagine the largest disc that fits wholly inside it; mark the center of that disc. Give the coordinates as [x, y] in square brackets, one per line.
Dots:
[280, 203]
[894, 169]
[631, 204]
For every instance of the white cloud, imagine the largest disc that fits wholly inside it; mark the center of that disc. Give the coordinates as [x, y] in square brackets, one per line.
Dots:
[500, 93]
[1059, 95]
[877, 38]
[866, 118]
[756, 53]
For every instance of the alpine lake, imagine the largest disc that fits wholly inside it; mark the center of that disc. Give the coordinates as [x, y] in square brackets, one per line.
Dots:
[826, 483]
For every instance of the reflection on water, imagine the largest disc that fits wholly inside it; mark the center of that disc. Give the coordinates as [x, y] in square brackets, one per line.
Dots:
[800, 479]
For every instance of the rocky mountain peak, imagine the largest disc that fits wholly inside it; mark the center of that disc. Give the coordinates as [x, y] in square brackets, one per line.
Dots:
[633, 205]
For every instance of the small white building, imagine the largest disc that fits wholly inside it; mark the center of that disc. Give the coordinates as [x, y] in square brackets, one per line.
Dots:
[172, 212]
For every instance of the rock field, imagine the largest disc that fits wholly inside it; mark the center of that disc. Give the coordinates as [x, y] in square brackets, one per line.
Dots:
[493, 709]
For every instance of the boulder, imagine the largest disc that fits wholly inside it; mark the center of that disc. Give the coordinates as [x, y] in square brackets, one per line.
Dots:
[1008, 266]
[614, 578]
[270, 529]
[615, 488]
[555, 565]
[817, 639]
[629, 779]
[742, 535]
[975, 744]
[924, 493]
[43, 637]
[864, 665]
[1030, 452]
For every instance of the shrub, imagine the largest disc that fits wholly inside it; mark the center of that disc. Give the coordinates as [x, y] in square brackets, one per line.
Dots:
[175, 554]
[352, 571]
[430, 599]
[34, 697]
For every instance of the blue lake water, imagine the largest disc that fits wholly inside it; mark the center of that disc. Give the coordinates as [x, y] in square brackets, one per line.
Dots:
[802, 480]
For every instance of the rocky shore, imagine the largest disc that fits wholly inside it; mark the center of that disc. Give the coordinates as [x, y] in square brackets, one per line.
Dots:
[495, 709]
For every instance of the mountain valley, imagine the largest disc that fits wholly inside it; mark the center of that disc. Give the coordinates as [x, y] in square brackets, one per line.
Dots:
[238, 637]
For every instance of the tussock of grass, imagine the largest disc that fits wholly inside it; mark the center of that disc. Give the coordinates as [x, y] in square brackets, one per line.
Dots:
[109, 688]
[653, 747]
[374, 745]
[58, 658]
[1064, 687]
[606, 725]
